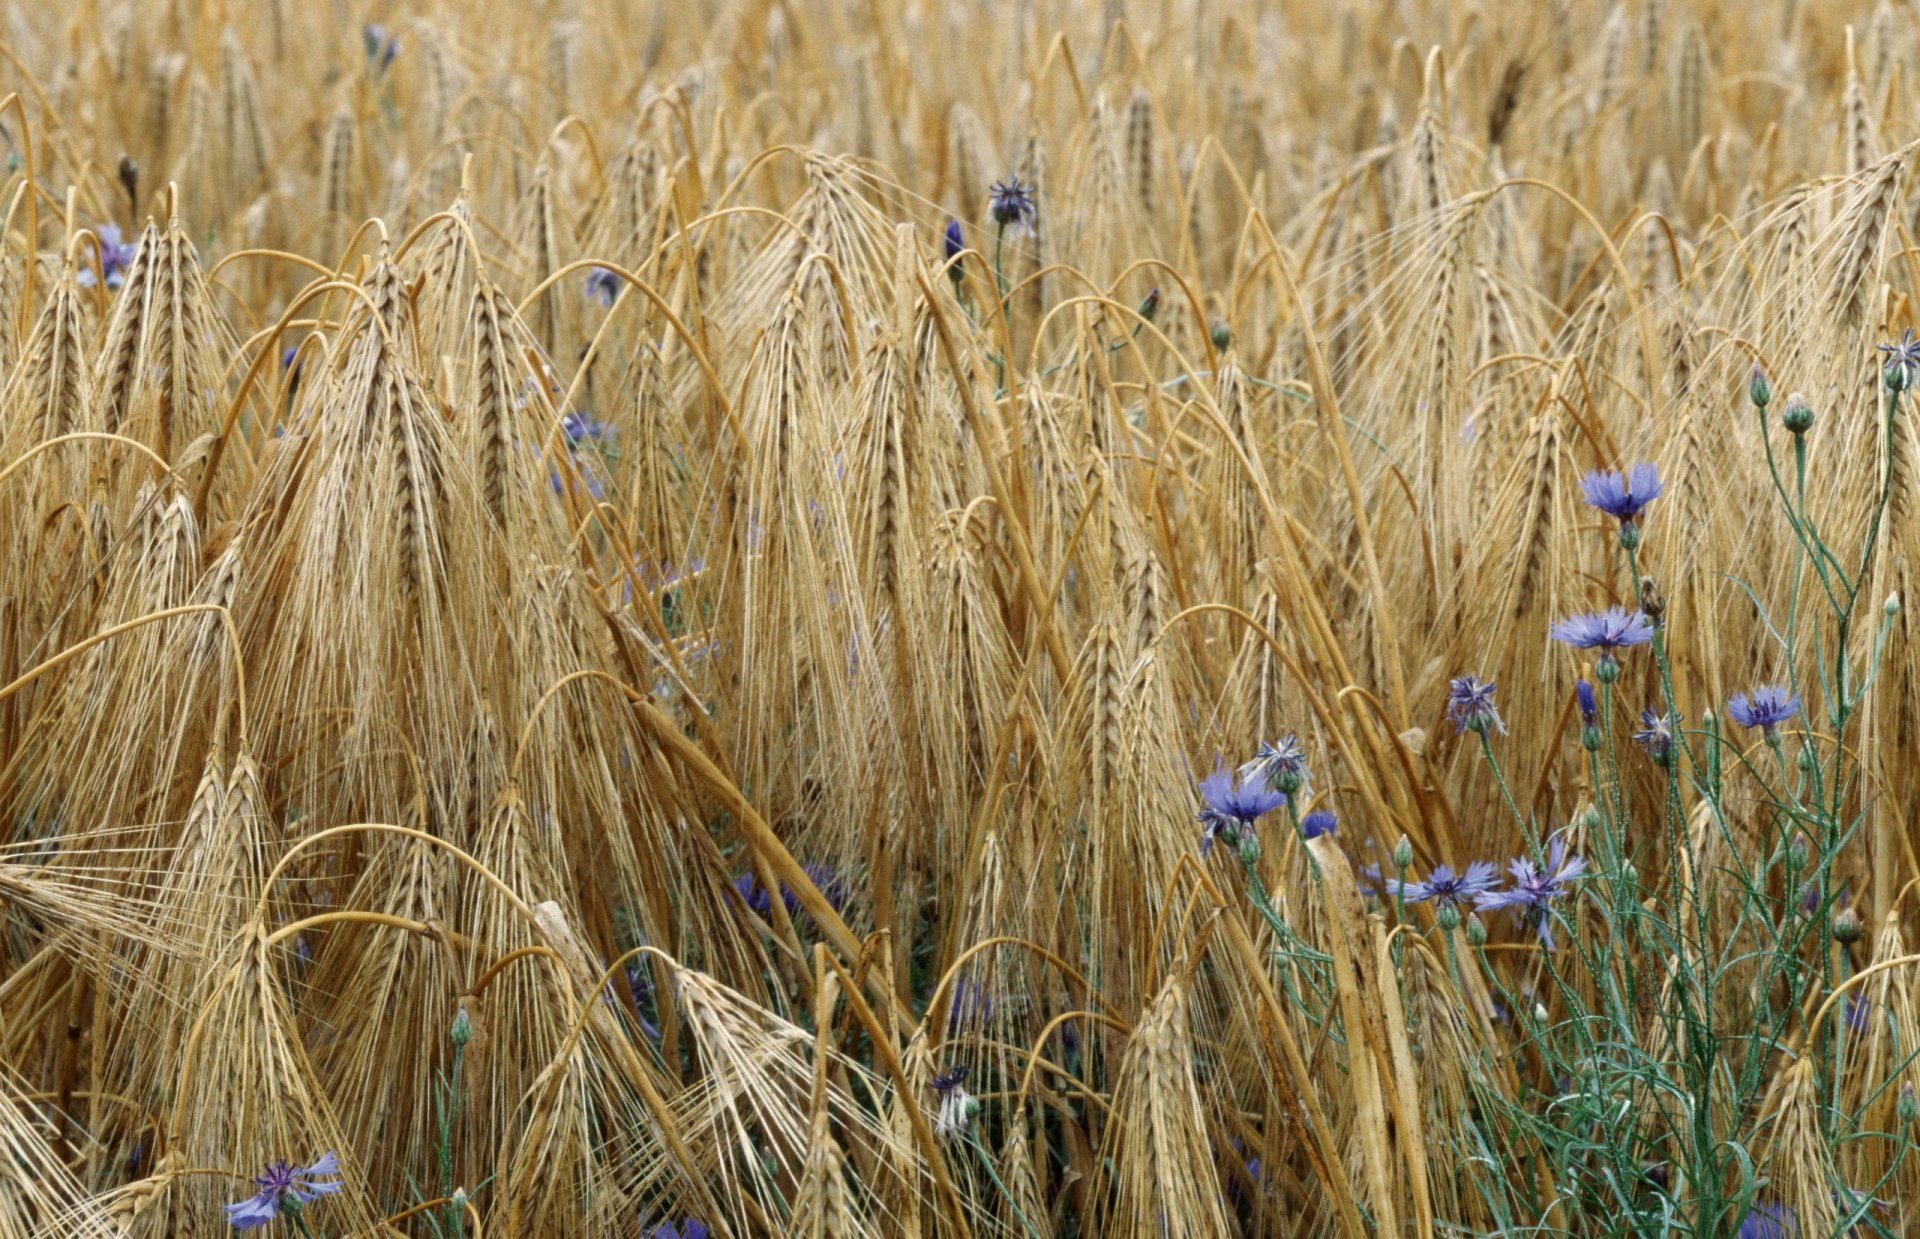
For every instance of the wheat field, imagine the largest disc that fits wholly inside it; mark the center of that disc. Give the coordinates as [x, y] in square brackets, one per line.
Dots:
[934, 618]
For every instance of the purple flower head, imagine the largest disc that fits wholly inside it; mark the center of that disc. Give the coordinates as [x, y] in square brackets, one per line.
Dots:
[969, 1008]
[952, 241]
[284, 1189]
[1011, 203]
[580, 427]
[1470, 705]
[829, 882]
[1281, 765]
[1623, 496]
[381, 46]
[1317, 823]
[1446, 888]
[1534, 888]
[1589, 709]
[754, 895]
[1765, 707]
[1768, 1221]
[1655, 734]
[640, 985]
[689, 1228]
[1228, 808]
[603, 285]
[952, 1078]
[1903, 353]
[1368, 878]
[1859, 1014]
[115, 257]
[1608, 630]
[589, 481]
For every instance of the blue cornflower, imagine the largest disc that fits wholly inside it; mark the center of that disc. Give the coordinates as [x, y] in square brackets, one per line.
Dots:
[603, 285]
[1623, 496]
[1589, 709]
[689, 1228]
[1011, 203]
[970, 1007]
[830, 884]
[1446, 888]
[381, 46]
[1534, 888]
[1904, 354]
[957, 1106]
[1282, 765]
[1608, 630]
[589, 480]
[1470, 705]
[754, 895]
[952, 241]
[1765, 707]
[641, 987]
[1655, 735]
[1317, 823]
[284, 1189]
[115, 257]
[1768, 1221]
[1228, 809]
[579, 427]
[1859, 1013]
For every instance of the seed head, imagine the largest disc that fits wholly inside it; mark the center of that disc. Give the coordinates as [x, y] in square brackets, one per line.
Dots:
[1011, 204]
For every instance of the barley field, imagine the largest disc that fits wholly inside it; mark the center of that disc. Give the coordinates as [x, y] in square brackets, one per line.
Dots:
[946, 618]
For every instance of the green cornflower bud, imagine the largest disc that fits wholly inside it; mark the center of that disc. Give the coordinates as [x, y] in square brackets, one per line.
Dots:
[1798, 415]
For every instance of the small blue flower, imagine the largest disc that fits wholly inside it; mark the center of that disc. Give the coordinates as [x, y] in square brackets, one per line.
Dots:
[603, 285]
[1623, 496]
[1768, 1221]
[1859, 1014]
[1589, 709]
[589, 480]
[830, 884]
[284, 1189]
[1765, 707]
[115, 257]
[1903, 353]
[1317, 823]
[582, 427]
[381, 46]
[1281, 765]
[689, 1228]
[1655, 734]
[754, 895]
[1534, 888]
[1227, 808]
[1011, 203]
[952, 241]
[1446, 888]
[1470, 705]
[970, 1007]
[1609, 630]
